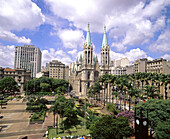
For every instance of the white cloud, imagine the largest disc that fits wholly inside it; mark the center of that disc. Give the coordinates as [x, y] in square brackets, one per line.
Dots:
[129, 22]
[84, 11]
[119, 46]
[18, 15]
[166, 56]
[7, 56]
[51, 54]
[132, 55]
[135, 54]
[71, 39]
[73, 52]
[162, 43]
[9, 36]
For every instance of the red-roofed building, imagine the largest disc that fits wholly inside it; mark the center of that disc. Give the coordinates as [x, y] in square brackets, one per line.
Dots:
[20, 75]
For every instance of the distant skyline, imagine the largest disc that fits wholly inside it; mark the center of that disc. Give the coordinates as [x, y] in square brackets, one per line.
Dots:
[135, 28]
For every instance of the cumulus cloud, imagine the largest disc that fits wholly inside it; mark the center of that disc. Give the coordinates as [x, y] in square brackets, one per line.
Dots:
[18, 15]
[81, 12]
[71, 39]
[52, 54]
[166, 56]
[9, 36]
[119, 46]
[128, 22]
[162, 43]
[73, 52]
[132, 55]
[7, 56]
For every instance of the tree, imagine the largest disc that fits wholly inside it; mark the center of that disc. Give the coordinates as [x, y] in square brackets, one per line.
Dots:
[133, 92]
[158, 111]
[127, 114]
[45, 84]
[151, 91]
[163, 130]
[111, 128]
[111, 108]
[54, 109]
[8, 84]
[71, 119]
[91, 119]
[45, 87]
[116, 93]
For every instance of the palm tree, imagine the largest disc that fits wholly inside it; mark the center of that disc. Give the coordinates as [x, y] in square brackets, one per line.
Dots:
[150, 91]
[54, 109]
[90, 93]
[116, 93]
[102, 80]
[97, 87]
[164, 81]
[133, 92]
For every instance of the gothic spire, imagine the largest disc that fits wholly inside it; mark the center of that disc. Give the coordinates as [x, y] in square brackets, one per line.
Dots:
[104, 43]
[88, 39]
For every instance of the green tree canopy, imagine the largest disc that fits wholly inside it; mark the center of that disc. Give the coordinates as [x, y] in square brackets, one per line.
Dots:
[158, 112]
[45, 87]
[111, 128]
[46, 84]
[8, 84]
[163, 130]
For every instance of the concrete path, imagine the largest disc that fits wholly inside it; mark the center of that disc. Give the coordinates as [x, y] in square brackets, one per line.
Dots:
[15, 122]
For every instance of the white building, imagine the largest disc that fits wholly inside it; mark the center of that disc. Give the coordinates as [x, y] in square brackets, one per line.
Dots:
[28, 57]
[123, 62]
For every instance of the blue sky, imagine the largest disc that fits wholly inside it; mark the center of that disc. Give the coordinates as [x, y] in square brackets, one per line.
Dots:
[135, 28]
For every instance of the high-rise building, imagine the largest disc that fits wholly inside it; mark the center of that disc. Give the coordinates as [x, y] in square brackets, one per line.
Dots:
[28, 57]
[58, 70]
[140, 65]
[158, 65]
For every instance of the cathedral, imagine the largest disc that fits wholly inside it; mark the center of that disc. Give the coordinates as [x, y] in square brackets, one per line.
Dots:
[86, 70]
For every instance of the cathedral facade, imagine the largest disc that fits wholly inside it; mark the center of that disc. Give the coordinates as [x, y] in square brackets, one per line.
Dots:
[86, 70]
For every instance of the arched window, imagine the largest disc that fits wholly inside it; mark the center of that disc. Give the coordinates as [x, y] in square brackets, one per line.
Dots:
[88, 85]
[88, 75]
[88, 56]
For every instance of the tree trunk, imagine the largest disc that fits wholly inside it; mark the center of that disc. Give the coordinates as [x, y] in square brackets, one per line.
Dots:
[54, 118]
[57, 124]
[104, 96]
[124, 101]
[129, 102]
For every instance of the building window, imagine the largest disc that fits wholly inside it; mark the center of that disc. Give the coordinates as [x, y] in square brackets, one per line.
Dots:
[88, 75]
[88, 85]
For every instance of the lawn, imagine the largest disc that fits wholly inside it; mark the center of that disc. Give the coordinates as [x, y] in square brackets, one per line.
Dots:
[80, 131]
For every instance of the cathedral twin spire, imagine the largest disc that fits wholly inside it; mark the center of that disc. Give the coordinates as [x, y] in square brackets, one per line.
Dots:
[104, 43]
[88, 38]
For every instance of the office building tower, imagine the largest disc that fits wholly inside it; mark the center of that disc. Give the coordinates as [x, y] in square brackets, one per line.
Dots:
[28, 57]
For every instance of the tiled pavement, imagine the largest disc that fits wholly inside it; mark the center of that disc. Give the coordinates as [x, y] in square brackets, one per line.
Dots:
[15, 122]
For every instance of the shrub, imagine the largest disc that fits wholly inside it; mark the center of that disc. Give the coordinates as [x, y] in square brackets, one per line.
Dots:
[127, 114]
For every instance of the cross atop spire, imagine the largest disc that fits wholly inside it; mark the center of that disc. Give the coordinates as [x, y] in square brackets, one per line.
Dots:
[104, 43]
[88, 38]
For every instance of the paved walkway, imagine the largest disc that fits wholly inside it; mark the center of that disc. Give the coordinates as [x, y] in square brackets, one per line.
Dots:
[15, 122]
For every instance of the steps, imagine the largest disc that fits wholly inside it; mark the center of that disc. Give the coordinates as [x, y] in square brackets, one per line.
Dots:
[24, 132]
[15, 122]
